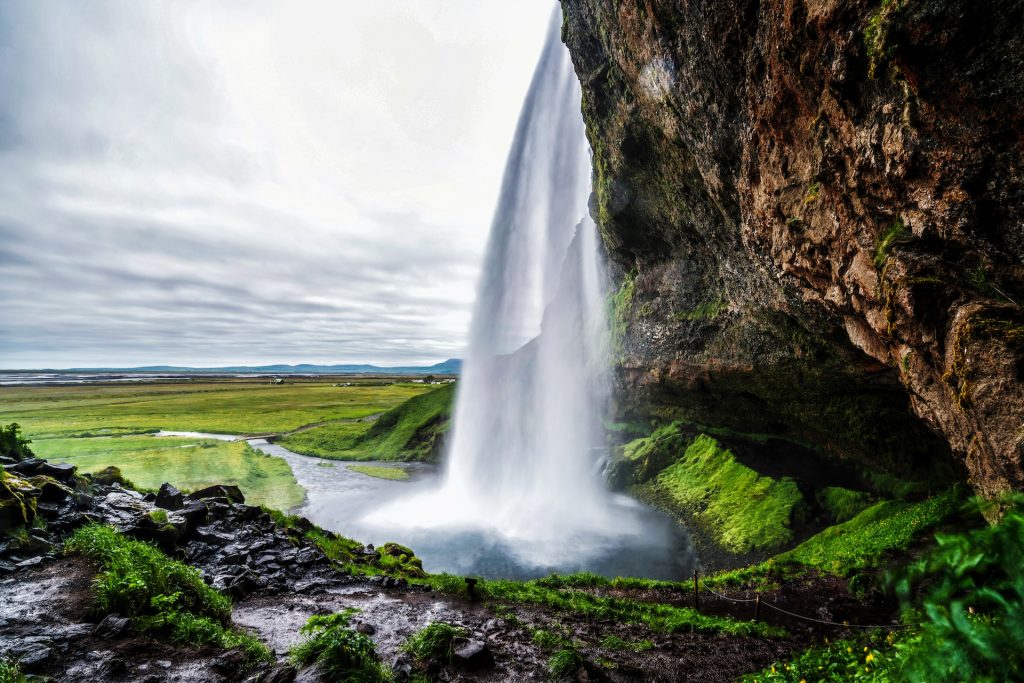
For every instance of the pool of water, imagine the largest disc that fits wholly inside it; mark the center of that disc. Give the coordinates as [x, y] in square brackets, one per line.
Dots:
[339, 499]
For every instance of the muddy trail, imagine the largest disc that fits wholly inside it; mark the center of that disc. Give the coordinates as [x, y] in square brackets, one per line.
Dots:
[278, 578]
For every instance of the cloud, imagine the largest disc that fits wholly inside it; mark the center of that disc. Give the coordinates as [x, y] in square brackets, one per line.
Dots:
[213, 183]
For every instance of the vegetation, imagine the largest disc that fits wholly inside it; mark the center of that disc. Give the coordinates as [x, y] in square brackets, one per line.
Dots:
[188, 463]
[410, 431]
[709, 310]
[843, 504]
[434, 642]
[223, 407]
[342, 653]
[619, 305]
[392, 473]
[864, 542]
[564, 663]
[743, 510]
[10, 672]
[963, 601]
[161, 595]
[616, 643]
[897, 233]
[12, 444]
[565, 598]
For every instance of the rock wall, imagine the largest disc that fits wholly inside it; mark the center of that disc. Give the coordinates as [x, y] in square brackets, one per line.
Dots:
[816, 216]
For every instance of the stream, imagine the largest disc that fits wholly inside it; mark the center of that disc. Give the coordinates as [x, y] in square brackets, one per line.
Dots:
[339, 499]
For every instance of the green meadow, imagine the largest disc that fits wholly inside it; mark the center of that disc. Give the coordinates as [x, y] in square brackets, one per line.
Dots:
[224, 407]
[189, 464]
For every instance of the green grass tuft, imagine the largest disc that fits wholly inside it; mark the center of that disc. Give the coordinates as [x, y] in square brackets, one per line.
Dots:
[434, 642]
[342, 653]
[897, 233]
[10, 672]
[160, 594]
[564, 663]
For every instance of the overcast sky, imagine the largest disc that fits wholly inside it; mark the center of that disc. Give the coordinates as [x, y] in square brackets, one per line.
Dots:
[208, 183]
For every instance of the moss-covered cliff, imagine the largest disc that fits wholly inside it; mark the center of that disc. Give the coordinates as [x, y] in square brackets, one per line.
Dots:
[816, 214]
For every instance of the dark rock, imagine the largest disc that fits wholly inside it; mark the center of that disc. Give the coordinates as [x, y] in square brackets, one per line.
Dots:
[30, 563]
[149, 497]
[6, 568]
[230, 492]
[165, 537]
[26, 467]
[52, 492]
[112, 626]
[472, 654]
[233, 558]
[61, 471]
[282, 673]
[367, 629]
[229, 662]
[5, 461]
[34, 658]
[169, 498]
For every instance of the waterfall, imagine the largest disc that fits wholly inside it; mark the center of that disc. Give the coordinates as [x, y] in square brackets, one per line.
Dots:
[524, 454]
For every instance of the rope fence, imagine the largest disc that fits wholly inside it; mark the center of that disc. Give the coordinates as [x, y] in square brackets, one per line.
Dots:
[758, 603]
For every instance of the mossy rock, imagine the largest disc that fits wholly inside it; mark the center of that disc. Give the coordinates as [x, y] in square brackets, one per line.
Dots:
[16, 509]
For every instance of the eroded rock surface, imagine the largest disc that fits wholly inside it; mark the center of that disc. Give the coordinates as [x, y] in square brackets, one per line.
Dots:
[817, 215]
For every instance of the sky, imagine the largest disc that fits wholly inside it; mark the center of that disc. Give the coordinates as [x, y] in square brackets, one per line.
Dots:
[205, 183]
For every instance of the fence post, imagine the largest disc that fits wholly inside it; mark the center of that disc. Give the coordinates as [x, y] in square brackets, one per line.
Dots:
[757, 607]
[696, 594]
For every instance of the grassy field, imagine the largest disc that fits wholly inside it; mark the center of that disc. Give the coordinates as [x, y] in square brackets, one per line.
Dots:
[392, 473]
[201, 406]
[409, 431]
[189, 464]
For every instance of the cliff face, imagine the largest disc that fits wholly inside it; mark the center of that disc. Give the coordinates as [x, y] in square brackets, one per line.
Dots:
[816, 212]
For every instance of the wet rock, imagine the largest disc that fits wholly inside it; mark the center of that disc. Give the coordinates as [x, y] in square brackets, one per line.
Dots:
[282, 673]
[169, 497]
[34, 658]
[112, 626]
[229, 662]
[230, 492]
[165, 537]
[30, 563]
[367, 629]
[472, 654]
[52, 492]
[6, 568]
[26, 467]
[61, 471]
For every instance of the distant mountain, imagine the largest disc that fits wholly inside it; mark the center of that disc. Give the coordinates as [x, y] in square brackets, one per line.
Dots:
[452, 366]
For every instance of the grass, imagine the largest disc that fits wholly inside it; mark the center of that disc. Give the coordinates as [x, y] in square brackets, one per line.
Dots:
[897, 233]
[161, 595]
[392, 473]
[434, 642]
[341, 652]
[741, 509]
[869, 658]
[410, 431]
[864, 542]
[564, 663]
[224, 407]
[190, 464]
[10, 672]
[565, 598]
[843, 504]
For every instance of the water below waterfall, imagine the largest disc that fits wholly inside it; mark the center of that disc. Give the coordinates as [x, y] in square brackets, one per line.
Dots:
[522, 490]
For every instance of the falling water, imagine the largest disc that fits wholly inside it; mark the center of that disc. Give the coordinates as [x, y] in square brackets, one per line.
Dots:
[524, 455]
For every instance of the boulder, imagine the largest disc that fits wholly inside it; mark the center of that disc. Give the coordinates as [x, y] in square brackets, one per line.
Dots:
[230, 492]
[61, 471]
[169, 498]
[26, 467]
[112, 626]
[471, 653]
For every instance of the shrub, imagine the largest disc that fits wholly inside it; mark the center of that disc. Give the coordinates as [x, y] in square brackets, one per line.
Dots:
[12, 445]
[342, 653]
[434, 642]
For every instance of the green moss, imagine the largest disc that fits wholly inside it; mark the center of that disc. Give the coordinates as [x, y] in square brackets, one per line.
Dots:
[341, 652]
[876, 34]
[843, 504]
[813, 192]
[620, 304]
[10, 672]
[742, 510]
[708, 310]
[391, 473]
[865, 542]
[895, 234]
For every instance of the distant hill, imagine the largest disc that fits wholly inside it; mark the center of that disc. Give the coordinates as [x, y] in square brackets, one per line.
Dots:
[452, 366]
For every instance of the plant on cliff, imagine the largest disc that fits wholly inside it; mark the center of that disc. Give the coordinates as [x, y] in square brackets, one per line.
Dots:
[10, 672]
[896, 233]
[341, 652]
[161, 595]
[12, 444]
